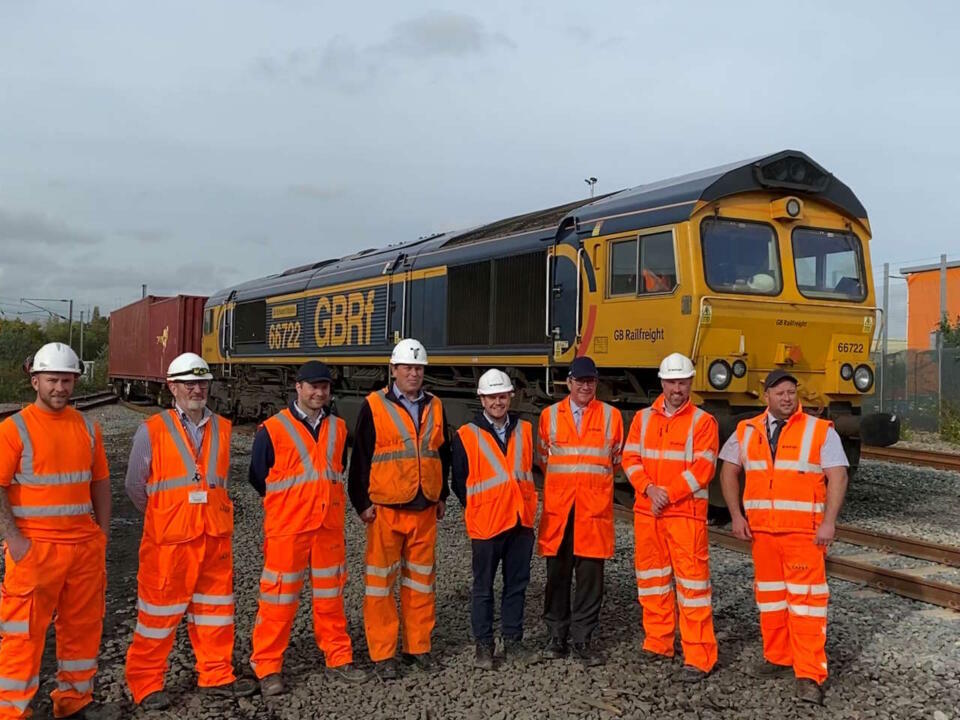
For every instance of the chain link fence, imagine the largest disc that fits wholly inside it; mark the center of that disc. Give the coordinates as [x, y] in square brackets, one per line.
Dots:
[923, 388]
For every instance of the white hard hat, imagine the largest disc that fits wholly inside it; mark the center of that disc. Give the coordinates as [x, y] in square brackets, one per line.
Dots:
[56, 357]
[188, 366]
[409, 352]
[676, 366]
[494, 382]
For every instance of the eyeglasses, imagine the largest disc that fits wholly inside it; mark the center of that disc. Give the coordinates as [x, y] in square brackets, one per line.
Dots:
[584, 381]
[193, 384]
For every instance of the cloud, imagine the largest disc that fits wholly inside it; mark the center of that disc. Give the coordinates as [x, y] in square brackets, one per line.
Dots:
[348, 67]
[316, 192]
[150, 236]
[37, 228]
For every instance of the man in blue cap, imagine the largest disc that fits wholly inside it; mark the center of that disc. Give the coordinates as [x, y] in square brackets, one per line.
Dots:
[579, 444]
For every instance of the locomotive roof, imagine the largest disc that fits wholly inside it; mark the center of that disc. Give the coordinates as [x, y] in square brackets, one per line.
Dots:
[659, 203]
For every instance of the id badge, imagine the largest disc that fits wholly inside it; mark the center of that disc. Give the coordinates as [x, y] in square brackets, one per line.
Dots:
[198, 497]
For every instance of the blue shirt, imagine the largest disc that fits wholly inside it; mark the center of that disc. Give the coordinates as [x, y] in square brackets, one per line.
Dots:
[412, 406]
[501, 430]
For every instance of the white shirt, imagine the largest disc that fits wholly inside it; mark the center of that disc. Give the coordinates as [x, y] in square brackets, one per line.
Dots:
[831, 454]
[303, 416]
[501, 429]
[577, 413]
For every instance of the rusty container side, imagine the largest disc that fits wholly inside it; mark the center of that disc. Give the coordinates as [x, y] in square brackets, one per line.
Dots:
[175, 326]
[128, 356]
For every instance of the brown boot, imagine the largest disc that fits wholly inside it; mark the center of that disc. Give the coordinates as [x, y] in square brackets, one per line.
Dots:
[764, 670]
[271, 685]
[809, 691]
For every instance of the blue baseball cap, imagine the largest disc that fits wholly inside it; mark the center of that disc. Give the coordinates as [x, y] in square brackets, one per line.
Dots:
[314, 371]
[583, 367]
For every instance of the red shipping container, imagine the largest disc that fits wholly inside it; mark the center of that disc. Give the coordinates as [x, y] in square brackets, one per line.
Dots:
[146, 335]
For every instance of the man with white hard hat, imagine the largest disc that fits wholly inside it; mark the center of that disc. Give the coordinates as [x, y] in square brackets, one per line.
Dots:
[53, 475]
[493, 479]
[398, 485]
[670, 458]
[177, 476]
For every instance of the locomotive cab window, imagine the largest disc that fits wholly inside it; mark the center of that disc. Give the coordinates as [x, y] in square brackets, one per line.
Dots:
[643, 266]
[829, 264]
[250, 322]
[740, 257]
[208, 321]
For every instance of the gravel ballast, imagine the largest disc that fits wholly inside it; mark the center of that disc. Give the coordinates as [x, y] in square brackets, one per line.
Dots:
[889, 656]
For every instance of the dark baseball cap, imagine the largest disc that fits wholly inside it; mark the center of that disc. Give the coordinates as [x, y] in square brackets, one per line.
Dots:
[777, 376]
[314, 371]
[582, 367]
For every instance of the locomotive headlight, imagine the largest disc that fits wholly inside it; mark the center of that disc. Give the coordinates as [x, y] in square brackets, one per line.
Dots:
[846, 371]
[793, 207]
[739, 368]
[719, 374]
[863, 378]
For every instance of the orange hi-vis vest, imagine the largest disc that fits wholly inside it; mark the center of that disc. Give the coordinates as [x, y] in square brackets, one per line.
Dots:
[403, 458]
[676, 452]
[50, 492]
[500, 487]
[305, 483]
[578, 469]
[787, 494]
[187, 493]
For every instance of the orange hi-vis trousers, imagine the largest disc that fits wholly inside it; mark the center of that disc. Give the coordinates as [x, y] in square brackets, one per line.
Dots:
[196, 578]
[404, 541]
[791, 590]
[287, 559]
[675, 547]
[65, 580]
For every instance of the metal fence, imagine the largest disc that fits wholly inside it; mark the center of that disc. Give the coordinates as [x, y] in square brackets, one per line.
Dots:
[923, 387]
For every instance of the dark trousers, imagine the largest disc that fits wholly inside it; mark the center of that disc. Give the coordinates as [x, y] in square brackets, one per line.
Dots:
[513, 548]
[587, 598]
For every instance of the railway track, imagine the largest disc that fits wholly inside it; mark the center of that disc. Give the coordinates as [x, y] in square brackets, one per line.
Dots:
[900, 582]
[80, 402]
[909, 456]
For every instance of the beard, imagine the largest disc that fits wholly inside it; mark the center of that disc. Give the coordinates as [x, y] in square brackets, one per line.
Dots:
[196, 404]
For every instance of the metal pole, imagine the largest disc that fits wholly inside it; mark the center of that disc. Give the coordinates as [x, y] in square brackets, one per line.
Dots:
[884, 348]
[70, 320]
[943, 314]
[143, 291]
[81, 336]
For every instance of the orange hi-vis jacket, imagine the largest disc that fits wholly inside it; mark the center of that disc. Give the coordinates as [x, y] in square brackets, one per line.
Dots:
[49, 492]
[177, 476]
[404, 459]
[787, 494]
[500, 487]
[306, 480]
[676, 452]
[578, 470]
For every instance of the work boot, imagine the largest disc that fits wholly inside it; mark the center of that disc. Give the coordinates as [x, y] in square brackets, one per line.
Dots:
[158, 700]
[556, 649]
[587, 654]
[514, 649]
[386, 669]
[691, 674]
[348, 673]
[483, 657]
[95, 712]
[764, 670]
[809, 691]
[271, 685]
[241, 687]
[423, 661]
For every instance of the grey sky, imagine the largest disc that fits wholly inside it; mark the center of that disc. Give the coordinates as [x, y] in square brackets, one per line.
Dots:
[194, 145]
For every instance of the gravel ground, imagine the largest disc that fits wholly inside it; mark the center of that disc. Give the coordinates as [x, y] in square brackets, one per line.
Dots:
[920, 440]
[890, 657]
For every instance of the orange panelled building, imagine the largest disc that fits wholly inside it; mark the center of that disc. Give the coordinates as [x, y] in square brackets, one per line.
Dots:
[923, 302]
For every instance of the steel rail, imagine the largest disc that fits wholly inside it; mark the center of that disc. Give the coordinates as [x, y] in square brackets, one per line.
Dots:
[909, 456]
[900, 545]
[81, 402]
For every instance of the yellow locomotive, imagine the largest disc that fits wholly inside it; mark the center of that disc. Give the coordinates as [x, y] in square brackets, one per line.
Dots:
[748, 267]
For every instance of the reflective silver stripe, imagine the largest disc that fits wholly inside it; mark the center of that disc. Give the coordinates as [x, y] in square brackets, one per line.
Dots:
[422, 569]
[271, 576]
[758, 505]
[326, 592]
[797, 506]
[290, 482]
[280, 598]
[633, 447]
[26, 476]
[654, 573]
[169, 484]
[186, 457]
[7, 683]
[607, 419]
[401, 427]
[519, 472]
[381, 457]
[377, 591]
[310, 471]
[656, 590]
[500, 475]
[688, 448]
[327, 572]
[693, 602]
[797, 466]
[775, 606]
[805, 461]
[15, 627]
[691, 480]
[211, 620]
[213, 599]
[552, 413]
[771, 586]
[383, 572]
[213, 454]
[91, 431]
[417, 586]
[807, 610]
[26, 457]
[77, 665]
[425, 428]
[20, 705]
[693, 584]
[671, 455]
[633, 470]
[744, 461]
[68, 478]
[702, 494]
[707, 455]
[81, 686]
[817, 589]
[332, 432]
[588, 469]
[152, 632]
[569, 450]
[645, 416]
[751, 465]
[51, 510]
[161, 610]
